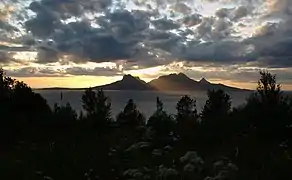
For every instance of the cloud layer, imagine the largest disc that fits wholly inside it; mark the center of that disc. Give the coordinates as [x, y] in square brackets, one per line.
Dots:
[142, 34]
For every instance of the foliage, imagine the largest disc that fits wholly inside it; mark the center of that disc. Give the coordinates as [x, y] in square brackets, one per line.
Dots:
[161, 122]
[217, 105]
[64, 116]
[248, 142]
[131, 116]
[25, 108]
[187, 119]
[268, 91]
[97, 107]
[186, 108]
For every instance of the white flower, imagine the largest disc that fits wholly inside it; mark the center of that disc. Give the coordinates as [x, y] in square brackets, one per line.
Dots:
[189, 168]
[138, 145]
[157, 152]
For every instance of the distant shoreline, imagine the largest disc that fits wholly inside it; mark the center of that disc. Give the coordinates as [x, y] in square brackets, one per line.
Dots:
[82, 89]
[172, 82]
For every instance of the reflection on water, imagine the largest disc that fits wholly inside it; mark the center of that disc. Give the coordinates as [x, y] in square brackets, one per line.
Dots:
[145, 100]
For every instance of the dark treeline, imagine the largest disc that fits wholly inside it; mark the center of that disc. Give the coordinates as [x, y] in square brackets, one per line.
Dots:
[251, 142]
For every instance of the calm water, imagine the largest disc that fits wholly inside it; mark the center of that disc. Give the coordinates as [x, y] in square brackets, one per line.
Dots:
[145, 100]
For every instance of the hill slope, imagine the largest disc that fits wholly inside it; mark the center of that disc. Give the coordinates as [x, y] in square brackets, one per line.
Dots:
[175, 82]
[171, 82]
[127, 83]
[181, 82]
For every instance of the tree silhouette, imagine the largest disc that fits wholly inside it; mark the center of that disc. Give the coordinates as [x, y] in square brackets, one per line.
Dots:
[264, 130]
[64, 116]
[248, 142]
[23, 111]
[269, 92]
[161, 123]
[218, 105]
[214, 124]
[187, 119]
[131, 116]
[103, 108]
[186, 108]
[267, 105]
[89, 102]
[98, 108]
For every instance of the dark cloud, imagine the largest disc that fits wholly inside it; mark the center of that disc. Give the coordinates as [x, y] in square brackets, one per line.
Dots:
[13, 48]
[115, 35]
[192, 20]
[7, 53]
[50, 72]
[218, 52]
[212, 29]
[69, 8]
[240, 12]
[98, 71]
[223, 12]
[181, 7]
[47, 54]
[117, 38]
[165, 24]
[33, 72]
[5, 26]
[104, 31]
[273, 45]
[233, 14]
[5, 57]
[44, 24]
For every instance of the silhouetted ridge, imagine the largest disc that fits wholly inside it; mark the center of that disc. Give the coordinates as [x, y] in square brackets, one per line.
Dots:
[128, 82]
[204, 81]
[174, 82]
[130, 77]
[181, 82]
[171, 82]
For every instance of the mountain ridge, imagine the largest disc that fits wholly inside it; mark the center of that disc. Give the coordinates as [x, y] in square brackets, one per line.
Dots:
[171, 82]
[181, 82]
[128, 82]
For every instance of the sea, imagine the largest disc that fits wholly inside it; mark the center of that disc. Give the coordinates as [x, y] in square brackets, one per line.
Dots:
[145, 100]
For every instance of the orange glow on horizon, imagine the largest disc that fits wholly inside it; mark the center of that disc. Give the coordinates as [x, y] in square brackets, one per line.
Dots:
[68, 82]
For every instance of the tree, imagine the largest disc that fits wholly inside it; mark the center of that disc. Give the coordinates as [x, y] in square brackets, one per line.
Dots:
[30, 106]
[214, 124]
[98, 107]
[103, 107]
[218, 105]
[160, 122]
[6, 85]
[131, 116]
[269, 109]
[23, 111]
[89, 102]
[64, 116]
[186, 108]
[187, 119]
[269, 92]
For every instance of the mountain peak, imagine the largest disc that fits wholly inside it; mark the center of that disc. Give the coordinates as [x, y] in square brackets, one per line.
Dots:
[128, 82]
[204, 81]
[130, 77]
[177, 76]
[181, 74]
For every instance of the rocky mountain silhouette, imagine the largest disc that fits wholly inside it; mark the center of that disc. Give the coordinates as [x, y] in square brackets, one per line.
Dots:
[171, 82]
[204, 81]
[175, 82]
[127, 83]
[181, 82]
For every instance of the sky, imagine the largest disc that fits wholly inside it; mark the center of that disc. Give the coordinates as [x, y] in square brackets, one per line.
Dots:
[82, 43]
